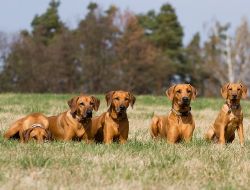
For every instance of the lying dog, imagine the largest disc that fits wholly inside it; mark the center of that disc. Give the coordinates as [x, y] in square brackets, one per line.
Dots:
[179, 124]
[75, 124]
[113, 125]
[32, 127]
[230, 116]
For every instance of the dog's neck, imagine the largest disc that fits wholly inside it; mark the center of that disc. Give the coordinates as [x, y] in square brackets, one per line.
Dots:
[116, 116]
[180, 110]
[83, 122]
[232, 105]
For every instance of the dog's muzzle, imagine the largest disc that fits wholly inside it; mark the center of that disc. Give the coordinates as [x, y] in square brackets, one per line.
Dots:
[89, 113]
[234, 97]
[121, 108]
[185, 101]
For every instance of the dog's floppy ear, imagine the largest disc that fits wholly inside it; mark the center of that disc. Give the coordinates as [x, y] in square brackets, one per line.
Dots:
[96, 103]
[132, 99]
[108, 97]
[194, 92]
[73, 104]
[26, 134]
[244, 90]
[170, 92]
[224, 90]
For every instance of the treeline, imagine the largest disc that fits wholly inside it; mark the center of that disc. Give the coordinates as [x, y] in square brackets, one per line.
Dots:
[121, 50]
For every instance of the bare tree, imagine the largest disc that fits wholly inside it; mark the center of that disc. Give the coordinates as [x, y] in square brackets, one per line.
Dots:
[228, 58]
[3, 48]
[242, 53]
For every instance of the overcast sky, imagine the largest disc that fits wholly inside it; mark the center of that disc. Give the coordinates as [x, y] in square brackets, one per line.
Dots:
[194, 15]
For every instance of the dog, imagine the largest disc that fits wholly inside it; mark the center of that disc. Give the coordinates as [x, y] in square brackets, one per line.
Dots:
[32, 127]
[230, 116]
[75, 123]
[179, 123]
[113, 125]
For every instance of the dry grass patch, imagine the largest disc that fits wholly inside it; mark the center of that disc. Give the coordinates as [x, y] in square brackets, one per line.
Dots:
[139, 164]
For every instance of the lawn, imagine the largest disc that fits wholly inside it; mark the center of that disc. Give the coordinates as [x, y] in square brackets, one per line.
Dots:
[139, 164]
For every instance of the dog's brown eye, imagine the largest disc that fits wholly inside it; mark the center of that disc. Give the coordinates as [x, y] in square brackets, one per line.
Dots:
[230, 89]
[178, 91]
[91, 103]
[126, 99]
[238, 89]
[82, 104]
[116, 98]
[189, 91]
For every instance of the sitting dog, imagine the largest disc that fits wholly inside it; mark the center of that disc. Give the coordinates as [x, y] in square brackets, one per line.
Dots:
[113, 125]
[75, 124]
[179, 124]
[32, 127]
[230, 116]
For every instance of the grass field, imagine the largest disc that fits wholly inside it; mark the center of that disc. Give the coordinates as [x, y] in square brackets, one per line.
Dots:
[139, 164]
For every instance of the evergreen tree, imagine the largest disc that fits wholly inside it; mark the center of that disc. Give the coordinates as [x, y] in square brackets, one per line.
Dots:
[97, 35]
[44, 60]
[48, 24]
[195, 66]
[137, 58]
[164, 30]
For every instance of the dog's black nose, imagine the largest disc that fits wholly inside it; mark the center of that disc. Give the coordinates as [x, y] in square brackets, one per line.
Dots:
[234, 96]
[122, 107]
[185, 99]
[89, 113]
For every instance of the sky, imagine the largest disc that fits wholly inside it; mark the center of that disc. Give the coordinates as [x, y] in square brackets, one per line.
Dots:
[194, 15]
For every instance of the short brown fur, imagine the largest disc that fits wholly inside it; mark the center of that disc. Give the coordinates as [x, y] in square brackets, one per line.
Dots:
[179, 124]
[230, 117]
[75, 124]
[113, 125]
[32, 127]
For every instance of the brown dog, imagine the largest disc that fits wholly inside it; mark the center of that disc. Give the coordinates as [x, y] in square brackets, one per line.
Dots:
[75, 124]
[31, 127]
[230, 116]
[113, 125]
[179, 124]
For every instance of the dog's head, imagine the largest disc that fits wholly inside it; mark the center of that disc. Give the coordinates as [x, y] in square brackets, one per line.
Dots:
[82, 106]
[234, 92]
[37, 134]
[182, 94]
[120, 100]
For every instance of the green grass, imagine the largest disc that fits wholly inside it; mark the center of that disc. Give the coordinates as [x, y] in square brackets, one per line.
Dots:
[141, 163]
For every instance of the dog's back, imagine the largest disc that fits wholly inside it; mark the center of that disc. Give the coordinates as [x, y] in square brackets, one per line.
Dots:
[56, 130]
[17, 129]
